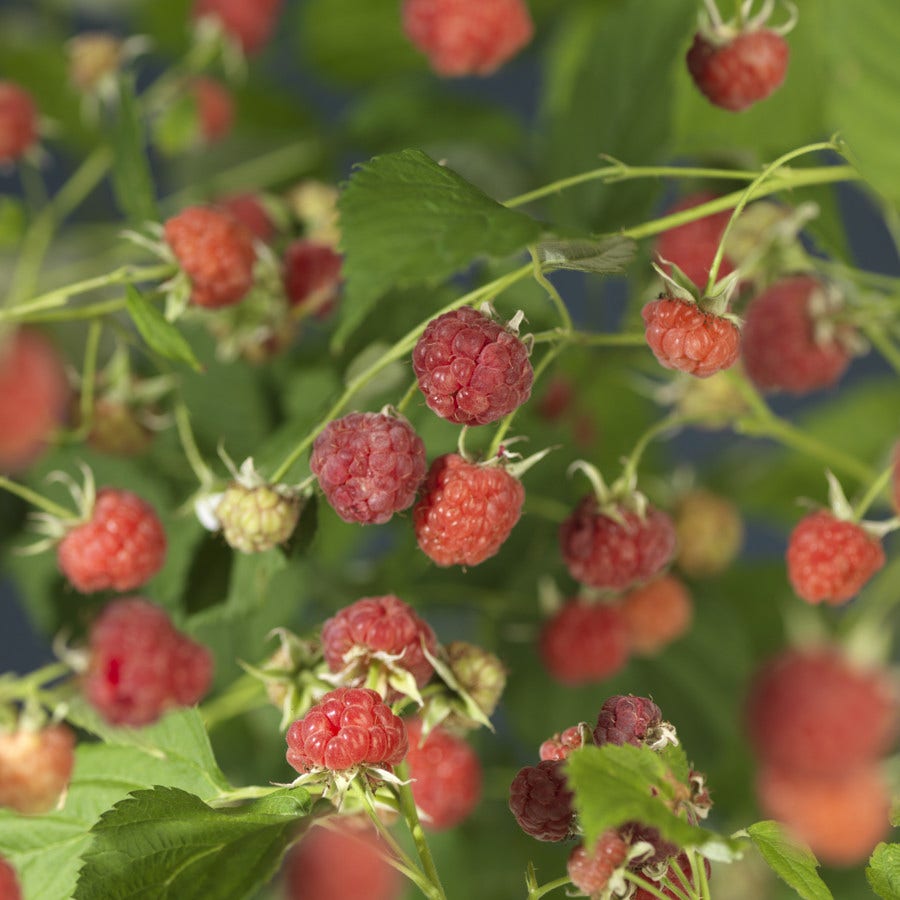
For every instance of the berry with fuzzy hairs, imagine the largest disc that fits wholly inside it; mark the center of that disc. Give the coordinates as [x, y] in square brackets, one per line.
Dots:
[656, 614]
[830, 560]
[683, 336]
[215, 108]
[18, 122]
[542, 802]
[602, 552]
[249, 24]
[445, 773]
[369, 466]
[626, 719]
[467, 37]
[312, 275]
[584, 643]
[255, 519]
[466, 511]
[122, 546]
[710, 533]
[34, 396]
[348, 727]
[591, 871]
[249, 210]
[561, 745]
[471, 369]
[216, 253]
[141, 665]
[815, 711]
[683, 876]
[35, 767]
[9, 882]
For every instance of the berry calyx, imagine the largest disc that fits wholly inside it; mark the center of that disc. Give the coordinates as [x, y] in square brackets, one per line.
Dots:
[626, 719]
[250, 25]
[18, 122]
[541, 801]
[656, 614]
[35, 767]
[592, 871]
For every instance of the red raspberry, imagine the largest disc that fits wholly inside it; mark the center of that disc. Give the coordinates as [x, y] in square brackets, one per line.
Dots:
[346, 728]
[35, 767]
[739, 73]
[215, 251]
[250, 24]
[628, 720]
[590, 872]
[312, 275]
[682, 336]
[781, 349]
[656, 614]
[18, 122]
[561, 745]
[686, 877]
[337, 862]
[249, 210]
[541, 801]
[215, 108]
[584, 642]
[467, 37]
[141, 665]
[466, 511]
[379, 625]
[829, 559]
[369, 466]
[9, 883]
[446, 776]
[471, 369]
[814, 711]
[34, 396]
[840, 817]
[601, 552]
[122, 546]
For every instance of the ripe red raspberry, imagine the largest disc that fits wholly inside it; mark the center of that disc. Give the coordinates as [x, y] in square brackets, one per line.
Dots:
[35, 767]
[446, 776]
[686, 877]
[710, 533]
[215, 108]
[141, 665]
[216, 253]
[682, 336]
[471, 369]
[34, 396]
[814, 711]
[628, 720]
[467, 37]
[601, 552]
[591, 872]
[369, 466]
[9, 883]
[346, 728]
[741, 72]
[312, 275]
[656, 614]
[466, 511]
[249, 210]
[561, 745]
[840, 817]
[383, 625]
[829, 560]
[18, 122]
[584, 642]
[249, 24]
[782, 347]
[541, 801]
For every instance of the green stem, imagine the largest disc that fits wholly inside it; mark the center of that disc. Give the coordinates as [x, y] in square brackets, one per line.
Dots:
[877, 486]
[88, 376]
[700, 872]
[539, 891]
[89, 311]
[673, 420]
[650, 887]
[883, 344]
[407, 397]
[35, 499]
[14, 688]
[243, 695]
[201, 470]
[554, 294]
[251, 792]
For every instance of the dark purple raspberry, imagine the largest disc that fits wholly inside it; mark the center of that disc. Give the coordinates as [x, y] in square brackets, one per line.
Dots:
[590, 872]
[541, 801]
[627, 720]
[471, 369]
[663, 850]
[369, 466]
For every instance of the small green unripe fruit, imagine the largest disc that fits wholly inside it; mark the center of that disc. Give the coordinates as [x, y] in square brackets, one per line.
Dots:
[257, 519]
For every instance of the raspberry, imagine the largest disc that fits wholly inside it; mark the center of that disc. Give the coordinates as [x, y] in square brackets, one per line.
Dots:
[9, 883]
[656, 614]
[784, 349]
[561, 745]
[471, 369]
[466, 511]
[481, 674]
[829, 560]
[117, 430]
[541, 801]
[255, 519]
[682, 336]
[249, 210]
[374, 625]
[18, 122]
[814, 711]
[584, 642]
[710, 533]
[467, 37]
[602, 552]
[369, 466]
[215, 108]
[686, 877]
[312, 275]
[249, 24]
[840, 817]
[446, 776]
[216, 253]
[141, 665]
[591, 872]
[34, 396]
[35, 767]
[346, 728]
[628, 720]
[739, 73]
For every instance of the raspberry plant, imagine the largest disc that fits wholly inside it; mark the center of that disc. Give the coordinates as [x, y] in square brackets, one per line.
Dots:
[339, 302]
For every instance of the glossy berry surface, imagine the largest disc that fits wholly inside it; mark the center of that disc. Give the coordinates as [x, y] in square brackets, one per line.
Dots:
[541, 801]
[312, 275]
[471, 369]
[369, 466]
[257, 519]
[466, 511]
[250, 24]
[656, 614]
[627, 720]
[561, 745]
[590, 871]
[35, 767]
[18, 122]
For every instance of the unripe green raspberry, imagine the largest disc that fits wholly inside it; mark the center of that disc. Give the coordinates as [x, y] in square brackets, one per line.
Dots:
[710, 533]
[481, 674]
[258, 518]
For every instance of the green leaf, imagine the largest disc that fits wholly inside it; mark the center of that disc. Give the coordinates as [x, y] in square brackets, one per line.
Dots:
[161, 336]
[794, 863]
[165, 843]
[407, 220]
[131, 177]
[883, 871]
[609, 256]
